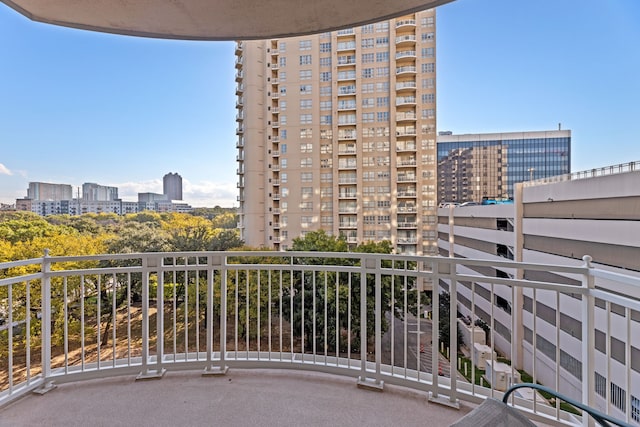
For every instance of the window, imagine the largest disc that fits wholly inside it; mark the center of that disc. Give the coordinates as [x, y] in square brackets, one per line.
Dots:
[383, 161]
[427, 83]
[382, 27]
[325, 90]
[305, 221]
[305, 104]
[283, 119]
[600, 385]
[384, 219]
[283, 61]
[306, 176]
[368, 102]
[326, 163]
[366, 29]
[306, 191]
[283, 163]
[382, 116]
[382, 87]
[283, 149]
[369, 191]
[325, 120]
[369, 132]
[325, 105]
[325, 62]
[305, 74]
[283, 105]
[282, 75]
[327, 220]
[382, 72]
[367, 117]
[282, 46]
[428, 113]
[305, 45]
[367, 43]
[367, 58]
[326, 149]
[284, 177]
[427, 52]
[382, 101]
[306, 162]
[305, 59]
[368, 88]
[326, 47]
[306, 148]
[325, 76]
[283, 91]
[428, 68]
[382, 131]
[368, 176]
[618, 396]
[383, 203]
[326, 191]
[369, 219]
[382, 41]
[283, 134]
[367, 73]
[368, 161]
[326, 134]
[305, 119]
[306, 133]
[284, 192]
[428, 98]
[326, 177]
[382, 57]
[635, 408]
[427, 37]
[427, 22]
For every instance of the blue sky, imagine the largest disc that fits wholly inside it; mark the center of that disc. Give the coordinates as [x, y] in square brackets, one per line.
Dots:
[77, 106]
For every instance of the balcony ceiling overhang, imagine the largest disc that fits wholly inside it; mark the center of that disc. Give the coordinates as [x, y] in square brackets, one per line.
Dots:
[215, 19]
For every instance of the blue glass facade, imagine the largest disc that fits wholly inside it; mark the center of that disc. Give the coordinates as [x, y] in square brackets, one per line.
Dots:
[469, 170]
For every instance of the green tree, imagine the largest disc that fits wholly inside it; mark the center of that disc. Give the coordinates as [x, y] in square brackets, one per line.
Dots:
[334, 293]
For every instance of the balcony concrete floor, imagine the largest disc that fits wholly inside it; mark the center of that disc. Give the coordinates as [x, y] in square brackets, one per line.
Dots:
[241, 398]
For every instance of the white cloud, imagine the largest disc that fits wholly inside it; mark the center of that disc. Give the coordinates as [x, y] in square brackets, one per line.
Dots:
[129, 190]
[4, 170]
[209, 194]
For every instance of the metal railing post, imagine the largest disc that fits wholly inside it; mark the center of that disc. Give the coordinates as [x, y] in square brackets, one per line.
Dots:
[45, 325]
[363, 381]
[148, 263]
[221, 369]
[588, 340]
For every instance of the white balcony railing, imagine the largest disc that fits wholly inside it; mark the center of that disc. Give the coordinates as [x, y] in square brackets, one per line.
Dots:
[72, 318]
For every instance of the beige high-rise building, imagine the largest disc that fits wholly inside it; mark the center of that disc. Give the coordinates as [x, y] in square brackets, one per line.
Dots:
[337, 131]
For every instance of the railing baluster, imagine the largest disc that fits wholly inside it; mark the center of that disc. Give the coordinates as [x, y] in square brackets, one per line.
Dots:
[46, 325]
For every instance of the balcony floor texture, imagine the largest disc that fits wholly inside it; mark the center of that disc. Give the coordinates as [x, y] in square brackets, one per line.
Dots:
[243, 397]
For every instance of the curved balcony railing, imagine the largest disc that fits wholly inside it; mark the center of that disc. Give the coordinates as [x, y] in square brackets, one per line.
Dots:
[71, 318]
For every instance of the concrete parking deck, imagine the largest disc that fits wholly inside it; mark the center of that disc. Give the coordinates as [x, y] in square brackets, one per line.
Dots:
[241, 398]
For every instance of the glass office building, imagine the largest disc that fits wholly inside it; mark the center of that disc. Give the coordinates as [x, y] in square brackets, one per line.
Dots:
[476, 166]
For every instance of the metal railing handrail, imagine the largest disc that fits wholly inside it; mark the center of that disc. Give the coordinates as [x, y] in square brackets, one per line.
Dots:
[95, 282]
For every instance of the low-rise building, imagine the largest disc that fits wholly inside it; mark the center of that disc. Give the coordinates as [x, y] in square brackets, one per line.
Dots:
[559, 220]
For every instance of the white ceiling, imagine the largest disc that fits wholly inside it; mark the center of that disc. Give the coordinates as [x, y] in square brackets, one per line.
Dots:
[215, 19]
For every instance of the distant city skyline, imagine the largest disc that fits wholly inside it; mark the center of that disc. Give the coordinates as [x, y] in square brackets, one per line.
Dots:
[79, 106]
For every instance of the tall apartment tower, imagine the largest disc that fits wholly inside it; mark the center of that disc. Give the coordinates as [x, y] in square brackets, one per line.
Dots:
[172, 186]
[337, 132]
